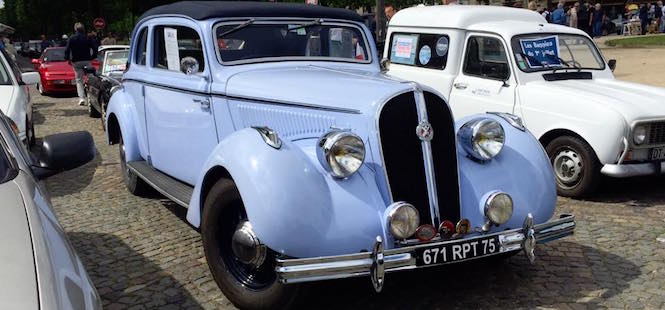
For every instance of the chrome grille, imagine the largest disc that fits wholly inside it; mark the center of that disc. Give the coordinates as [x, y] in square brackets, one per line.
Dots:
[657, 133]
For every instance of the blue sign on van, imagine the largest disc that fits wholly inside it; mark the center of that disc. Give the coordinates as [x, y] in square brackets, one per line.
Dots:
[542, 52]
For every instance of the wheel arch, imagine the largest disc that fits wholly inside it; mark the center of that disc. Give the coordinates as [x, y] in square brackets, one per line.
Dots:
[113, 129]
[211, 177]
[549, 136]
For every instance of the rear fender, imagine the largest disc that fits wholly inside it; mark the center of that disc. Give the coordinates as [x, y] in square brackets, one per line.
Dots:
[295, 207]
[122, 119]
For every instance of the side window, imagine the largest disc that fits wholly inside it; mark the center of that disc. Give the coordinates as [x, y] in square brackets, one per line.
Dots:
[486, 57]
[420, 50]
[178, 48]
[141, 47]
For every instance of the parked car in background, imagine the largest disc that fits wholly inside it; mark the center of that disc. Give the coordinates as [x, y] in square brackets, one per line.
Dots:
[485, 58]
[101, 82]
[300, 161]
[38, 266]
[56, 73]
[33, 49]
[15, 96]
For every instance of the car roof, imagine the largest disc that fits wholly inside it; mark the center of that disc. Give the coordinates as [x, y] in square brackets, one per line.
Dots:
[116, 47]
[201, 10]
[505, 21]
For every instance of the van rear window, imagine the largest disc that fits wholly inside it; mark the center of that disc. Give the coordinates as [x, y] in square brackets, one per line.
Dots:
[419, 49]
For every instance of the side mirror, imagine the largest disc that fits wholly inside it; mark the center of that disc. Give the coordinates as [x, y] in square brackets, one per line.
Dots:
[384, 64]
[30, 78]
[35, 61]
[64, 151]
[89, 70]
[612, 63]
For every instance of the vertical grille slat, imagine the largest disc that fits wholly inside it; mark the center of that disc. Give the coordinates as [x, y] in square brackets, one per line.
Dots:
[444, 155]
[402, 153]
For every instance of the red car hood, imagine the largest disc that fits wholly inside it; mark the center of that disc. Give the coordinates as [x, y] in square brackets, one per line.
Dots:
[59, 68]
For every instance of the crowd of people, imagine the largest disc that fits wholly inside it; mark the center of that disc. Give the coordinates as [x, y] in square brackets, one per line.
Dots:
[597, 21]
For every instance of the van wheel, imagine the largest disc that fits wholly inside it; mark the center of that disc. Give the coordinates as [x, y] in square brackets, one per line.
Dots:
[135, 185]
[576, 168]
[243, 268]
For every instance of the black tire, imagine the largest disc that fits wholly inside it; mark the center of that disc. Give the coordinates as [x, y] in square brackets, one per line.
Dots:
[41, 90]
[135, 185]
[576, 167]
[245, 287]
[91, 110]
[30, 133]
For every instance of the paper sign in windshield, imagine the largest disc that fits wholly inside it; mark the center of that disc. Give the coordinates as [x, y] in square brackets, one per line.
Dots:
[542, 52]
[171, 46]
[403, 49]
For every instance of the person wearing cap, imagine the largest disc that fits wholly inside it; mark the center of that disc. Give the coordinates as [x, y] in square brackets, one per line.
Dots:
[80, 51]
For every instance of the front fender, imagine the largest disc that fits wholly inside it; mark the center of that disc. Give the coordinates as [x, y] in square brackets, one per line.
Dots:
[121, 109]
[295, 207]
[522, 169]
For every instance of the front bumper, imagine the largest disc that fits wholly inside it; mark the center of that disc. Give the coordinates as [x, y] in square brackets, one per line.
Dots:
[633, 170]
[380, 261]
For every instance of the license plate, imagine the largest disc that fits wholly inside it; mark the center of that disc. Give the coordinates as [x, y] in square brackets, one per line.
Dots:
[457, 251]
[59, 82]
[657, 153]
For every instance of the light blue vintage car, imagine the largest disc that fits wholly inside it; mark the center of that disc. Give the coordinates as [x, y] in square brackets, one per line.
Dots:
[300, 161]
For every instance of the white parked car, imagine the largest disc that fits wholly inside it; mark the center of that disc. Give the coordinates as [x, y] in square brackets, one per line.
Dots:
[485, 58]
[15, 97]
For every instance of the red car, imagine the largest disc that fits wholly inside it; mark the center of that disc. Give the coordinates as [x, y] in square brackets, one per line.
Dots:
[56, 74]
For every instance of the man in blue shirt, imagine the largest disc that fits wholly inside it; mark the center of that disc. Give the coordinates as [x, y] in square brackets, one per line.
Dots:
[559, 15]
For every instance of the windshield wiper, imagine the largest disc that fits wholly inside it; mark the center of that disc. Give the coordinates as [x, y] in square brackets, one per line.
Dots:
[567, 63]
[236, 28]
[315, 22]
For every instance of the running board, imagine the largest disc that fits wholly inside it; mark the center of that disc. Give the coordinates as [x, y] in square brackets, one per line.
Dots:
[173, 189]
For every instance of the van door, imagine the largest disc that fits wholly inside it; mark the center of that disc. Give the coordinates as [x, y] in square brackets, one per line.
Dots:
[179, 118]
[485, 82]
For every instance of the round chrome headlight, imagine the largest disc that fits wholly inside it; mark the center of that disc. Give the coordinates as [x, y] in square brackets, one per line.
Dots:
[403, 220]
[499, 208]
[639, 135]
[341, 153]
[482, 138]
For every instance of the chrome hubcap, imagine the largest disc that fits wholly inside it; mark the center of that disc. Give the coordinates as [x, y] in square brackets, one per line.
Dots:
[246, 246]
[568, 166]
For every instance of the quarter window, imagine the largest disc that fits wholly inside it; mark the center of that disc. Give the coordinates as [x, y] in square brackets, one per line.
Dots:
[141, 47]
[420, 50]
[176, 47]
[486, 57]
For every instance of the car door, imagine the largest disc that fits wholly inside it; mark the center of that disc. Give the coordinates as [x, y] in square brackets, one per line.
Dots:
[485, 82]
[179, 118]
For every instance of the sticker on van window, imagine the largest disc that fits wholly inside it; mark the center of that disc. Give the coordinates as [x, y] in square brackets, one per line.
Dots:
[403, 49]
[442, 46]
[541, 52]
[425, 55]
[171, 47]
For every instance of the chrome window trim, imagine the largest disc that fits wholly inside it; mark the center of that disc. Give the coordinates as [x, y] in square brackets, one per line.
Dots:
[274, 20]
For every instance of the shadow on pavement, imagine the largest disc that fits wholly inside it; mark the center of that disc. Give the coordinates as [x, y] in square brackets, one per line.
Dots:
[490, 283]
[640, 191]
[72, 181]
[124, 277]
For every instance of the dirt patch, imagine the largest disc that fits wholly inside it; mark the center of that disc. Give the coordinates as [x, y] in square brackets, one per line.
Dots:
[639, 65]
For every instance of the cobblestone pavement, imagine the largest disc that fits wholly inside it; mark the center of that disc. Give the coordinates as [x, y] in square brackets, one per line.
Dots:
[141, 252]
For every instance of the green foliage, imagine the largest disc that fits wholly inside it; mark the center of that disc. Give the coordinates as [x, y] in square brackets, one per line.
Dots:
[641, 41]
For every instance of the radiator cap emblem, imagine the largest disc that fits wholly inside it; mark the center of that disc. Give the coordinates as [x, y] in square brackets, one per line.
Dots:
[424, 131]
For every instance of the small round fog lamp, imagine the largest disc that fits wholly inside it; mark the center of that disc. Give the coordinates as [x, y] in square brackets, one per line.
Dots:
[499, 208]
[403, 220]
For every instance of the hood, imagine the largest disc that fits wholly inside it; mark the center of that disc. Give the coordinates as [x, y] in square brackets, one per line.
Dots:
[6, 97]
[634, 101]
[18, 288]
[335, 89]
[58, 67]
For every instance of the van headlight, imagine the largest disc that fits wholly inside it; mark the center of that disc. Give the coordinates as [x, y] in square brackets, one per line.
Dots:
[639, 134]
[482, 138]
[341, 153]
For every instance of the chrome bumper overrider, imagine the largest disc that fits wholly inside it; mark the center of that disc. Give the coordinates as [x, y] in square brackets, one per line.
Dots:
[380, 261]
[632, 170]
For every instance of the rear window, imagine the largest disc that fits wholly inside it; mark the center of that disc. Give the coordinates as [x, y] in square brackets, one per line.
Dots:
[53, 55]
[419, 50]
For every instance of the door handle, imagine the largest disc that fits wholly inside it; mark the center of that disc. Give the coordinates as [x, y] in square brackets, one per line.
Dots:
[460, 85]
[205, 103]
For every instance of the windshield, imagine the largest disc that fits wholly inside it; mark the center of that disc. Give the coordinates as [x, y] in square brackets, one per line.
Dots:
[306, 40]
[538, 52]
[54, 54]
[115, 61]
[5, 79]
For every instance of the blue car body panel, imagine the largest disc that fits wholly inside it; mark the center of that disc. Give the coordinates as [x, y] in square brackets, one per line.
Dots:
[295, 206]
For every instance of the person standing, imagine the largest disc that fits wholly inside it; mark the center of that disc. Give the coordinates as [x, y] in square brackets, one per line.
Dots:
[45, 43]
[583, 18]
[659, 15]
[79, 52]
[390, 11]
[559, 15]
[644, 15]
[573, 15]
